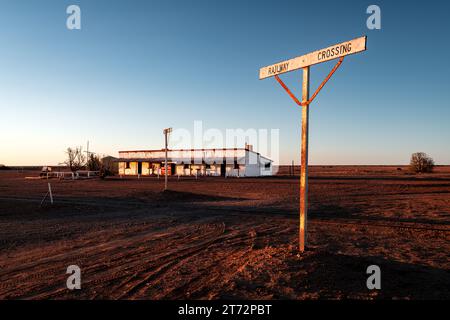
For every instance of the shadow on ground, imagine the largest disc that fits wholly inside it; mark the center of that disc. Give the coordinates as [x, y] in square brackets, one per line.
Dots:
[326, 275]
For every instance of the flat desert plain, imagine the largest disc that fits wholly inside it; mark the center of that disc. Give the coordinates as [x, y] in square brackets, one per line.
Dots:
[228, 238]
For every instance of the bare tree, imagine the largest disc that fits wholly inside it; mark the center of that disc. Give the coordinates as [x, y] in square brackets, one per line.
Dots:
[421, 163]
[75, 158]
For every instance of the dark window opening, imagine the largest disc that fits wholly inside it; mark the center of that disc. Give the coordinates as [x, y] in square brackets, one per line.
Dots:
[236, 166]
[267, 165]
[186, 166]
[127, 165]
[208, 166]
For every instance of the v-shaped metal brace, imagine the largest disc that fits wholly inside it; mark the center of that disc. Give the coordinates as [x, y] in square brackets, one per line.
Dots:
[305, 103]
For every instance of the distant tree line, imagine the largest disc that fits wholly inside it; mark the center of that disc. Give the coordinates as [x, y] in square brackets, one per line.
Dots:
[76, 160]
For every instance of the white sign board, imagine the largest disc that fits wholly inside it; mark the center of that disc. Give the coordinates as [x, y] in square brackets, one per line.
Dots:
[323, 55]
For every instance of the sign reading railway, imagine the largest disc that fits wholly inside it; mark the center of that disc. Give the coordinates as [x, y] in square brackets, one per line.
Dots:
[330, 53]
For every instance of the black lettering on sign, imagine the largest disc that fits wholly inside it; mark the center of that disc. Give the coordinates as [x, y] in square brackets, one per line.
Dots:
[337, 50]
[334, 51]
[346, 48]
[278, 68]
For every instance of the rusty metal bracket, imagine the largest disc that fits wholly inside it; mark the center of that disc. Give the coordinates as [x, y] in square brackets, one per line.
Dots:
[338, 64]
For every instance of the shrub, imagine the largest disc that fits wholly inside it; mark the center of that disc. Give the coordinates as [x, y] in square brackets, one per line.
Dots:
[421, 163]
[108, 166]
[105, 165]
[94, 163]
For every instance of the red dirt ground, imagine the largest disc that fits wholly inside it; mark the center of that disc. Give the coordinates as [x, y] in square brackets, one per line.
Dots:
[228, 238]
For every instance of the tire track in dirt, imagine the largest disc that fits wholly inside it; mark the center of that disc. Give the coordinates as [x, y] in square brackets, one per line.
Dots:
[130, 252]
[105, 202]
[222, 260]
[364, 221]
[151, 269]
[136, 254]
[136, 284]
[378, 225]
[38, 268]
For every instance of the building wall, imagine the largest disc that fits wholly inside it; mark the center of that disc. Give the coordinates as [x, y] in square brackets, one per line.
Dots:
[146, 168]
[132, 170]
[239, 162]
[214, 170]
[252, 170]
[180, 170]
[231, 171]
[121, 168]
[266, 171]
[252, 165]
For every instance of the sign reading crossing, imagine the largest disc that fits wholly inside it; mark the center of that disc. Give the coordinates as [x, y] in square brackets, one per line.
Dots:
[330, 53]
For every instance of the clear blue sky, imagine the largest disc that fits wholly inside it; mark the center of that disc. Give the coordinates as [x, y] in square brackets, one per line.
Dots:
[137, 67]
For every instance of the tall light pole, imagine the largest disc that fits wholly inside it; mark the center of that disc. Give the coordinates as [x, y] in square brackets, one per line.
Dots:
[166, 133]
[87, 156]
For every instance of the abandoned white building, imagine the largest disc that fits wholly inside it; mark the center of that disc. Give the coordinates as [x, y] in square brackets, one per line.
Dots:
[237, 162]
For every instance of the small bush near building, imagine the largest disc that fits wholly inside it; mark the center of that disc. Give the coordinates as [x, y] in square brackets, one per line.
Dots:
[104, 165]
[94, 163]
[109, 166]
[421, 163]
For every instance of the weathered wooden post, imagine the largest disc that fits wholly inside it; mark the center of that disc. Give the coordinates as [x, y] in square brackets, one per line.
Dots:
[50, 193]
[304, 161]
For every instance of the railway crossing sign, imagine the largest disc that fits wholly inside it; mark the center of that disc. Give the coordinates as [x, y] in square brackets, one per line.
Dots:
[319, 56]
[304, 62]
